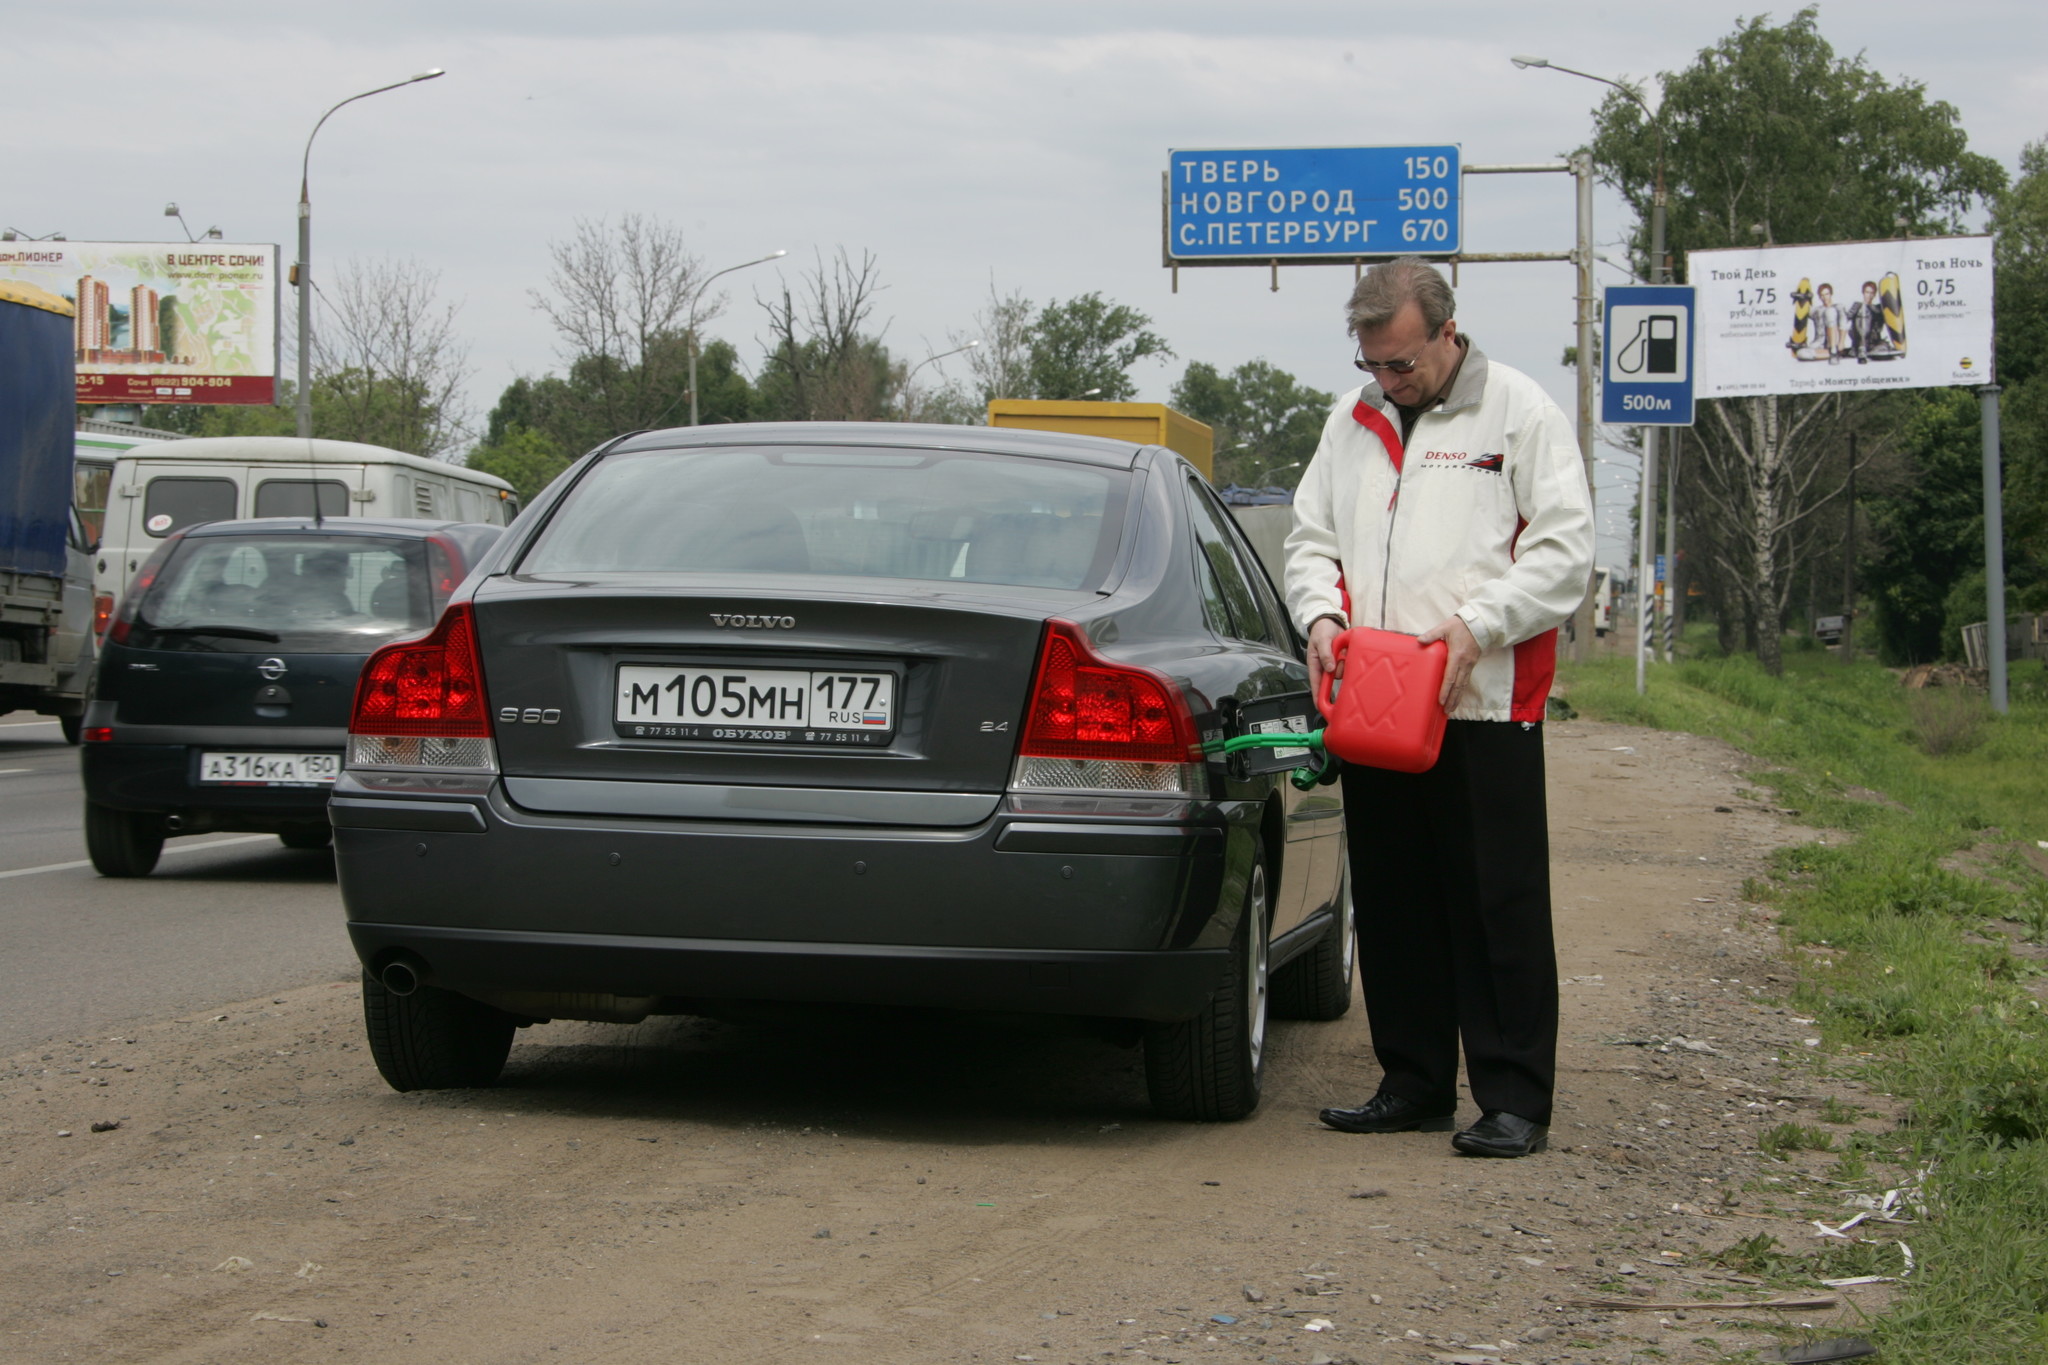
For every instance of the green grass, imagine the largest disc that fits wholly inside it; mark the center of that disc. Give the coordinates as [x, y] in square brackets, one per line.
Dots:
[1905, 999]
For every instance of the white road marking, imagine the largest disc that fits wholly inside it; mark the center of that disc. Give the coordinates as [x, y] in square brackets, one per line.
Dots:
[168, 849]
[5, 771]
[10, 724]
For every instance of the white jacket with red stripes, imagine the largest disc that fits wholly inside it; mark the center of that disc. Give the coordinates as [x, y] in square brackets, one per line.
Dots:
[1482, 513]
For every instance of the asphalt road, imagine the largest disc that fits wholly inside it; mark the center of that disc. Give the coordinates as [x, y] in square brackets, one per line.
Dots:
[225, 916]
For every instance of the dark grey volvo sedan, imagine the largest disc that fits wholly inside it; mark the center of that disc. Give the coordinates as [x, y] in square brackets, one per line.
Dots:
[847, 715]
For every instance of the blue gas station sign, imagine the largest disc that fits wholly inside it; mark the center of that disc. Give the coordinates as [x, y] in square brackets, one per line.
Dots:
[1295, 203]
[1647, 378]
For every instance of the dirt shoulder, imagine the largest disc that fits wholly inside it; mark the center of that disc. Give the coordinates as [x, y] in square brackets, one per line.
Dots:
[692, 1191]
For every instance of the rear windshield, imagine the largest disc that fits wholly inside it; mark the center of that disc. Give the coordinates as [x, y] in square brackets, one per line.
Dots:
[307, 594]
[937, 515]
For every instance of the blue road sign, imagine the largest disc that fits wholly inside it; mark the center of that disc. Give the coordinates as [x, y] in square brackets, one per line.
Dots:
[1648, 345]
[1291, 203]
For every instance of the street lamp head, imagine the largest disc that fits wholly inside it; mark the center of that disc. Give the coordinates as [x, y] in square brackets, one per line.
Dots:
[778, 253]
[427, 75]
[1525, 61]
[170, 210]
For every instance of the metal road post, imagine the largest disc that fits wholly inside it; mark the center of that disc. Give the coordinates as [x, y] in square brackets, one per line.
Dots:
[1582, 171]
[1994, 550]
[304, 269]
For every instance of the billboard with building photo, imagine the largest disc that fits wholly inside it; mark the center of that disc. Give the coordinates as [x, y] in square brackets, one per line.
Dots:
[163, 322]
[1843, 316]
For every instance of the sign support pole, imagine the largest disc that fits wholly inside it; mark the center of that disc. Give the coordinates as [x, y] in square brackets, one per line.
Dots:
[1849, 565]
[1646, 549]
[1994, 549]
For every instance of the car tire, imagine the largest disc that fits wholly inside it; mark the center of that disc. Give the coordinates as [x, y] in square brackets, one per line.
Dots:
[1208, 1068]
[1317, 984]
[434, 1039]
[72, 727]
[122, 843]
[306, 836]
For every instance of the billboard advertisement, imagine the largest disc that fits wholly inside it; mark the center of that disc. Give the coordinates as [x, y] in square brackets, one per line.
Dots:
[1843, 316]
[163, 322]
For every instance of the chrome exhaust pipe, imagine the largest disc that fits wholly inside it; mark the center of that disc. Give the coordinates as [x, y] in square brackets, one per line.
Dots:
[174, 824]
[402, 975]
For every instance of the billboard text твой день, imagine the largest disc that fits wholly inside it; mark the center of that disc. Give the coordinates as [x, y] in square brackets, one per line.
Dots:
[1843, 316]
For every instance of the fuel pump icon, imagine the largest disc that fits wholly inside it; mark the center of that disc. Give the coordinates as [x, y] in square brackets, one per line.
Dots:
[1654, 347]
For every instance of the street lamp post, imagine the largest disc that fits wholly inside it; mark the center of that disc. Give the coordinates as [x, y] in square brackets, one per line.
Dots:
[771, 256]
[303, 272]
[1659, 274]
[171, 211]
[903, 391]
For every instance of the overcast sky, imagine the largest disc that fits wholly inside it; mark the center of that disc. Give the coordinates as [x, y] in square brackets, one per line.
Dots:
[957, 141]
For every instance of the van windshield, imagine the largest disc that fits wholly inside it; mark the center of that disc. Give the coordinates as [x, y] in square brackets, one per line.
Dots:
[307, 594]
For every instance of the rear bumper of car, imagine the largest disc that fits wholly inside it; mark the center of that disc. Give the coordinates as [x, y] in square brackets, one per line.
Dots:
[680, 972]
[1114, 918]
[163, 777]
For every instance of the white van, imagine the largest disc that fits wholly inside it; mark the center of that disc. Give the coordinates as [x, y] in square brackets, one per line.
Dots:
[162, 486]
[1603, 602]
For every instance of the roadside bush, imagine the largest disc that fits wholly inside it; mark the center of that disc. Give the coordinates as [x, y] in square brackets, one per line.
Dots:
[1947, 720]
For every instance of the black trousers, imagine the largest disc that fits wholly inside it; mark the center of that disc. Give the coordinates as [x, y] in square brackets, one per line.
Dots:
[1450, 876]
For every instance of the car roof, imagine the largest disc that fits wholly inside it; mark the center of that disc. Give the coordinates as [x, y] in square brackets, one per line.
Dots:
[1055, 445]
[296, 450]
[331, 526]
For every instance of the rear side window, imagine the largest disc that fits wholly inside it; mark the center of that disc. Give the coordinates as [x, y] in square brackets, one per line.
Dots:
[171, 503]
[945, 516]
[89, 484]
[308, 593]
[296, 498]
[1232, 605]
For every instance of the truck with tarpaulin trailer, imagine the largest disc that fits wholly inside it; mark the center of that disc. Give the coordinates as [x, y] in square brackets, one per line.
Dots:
[45, 557]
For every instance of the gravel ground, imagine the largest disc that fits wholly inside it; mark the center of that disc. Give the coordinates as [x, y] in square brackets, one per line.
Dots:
[937, 1190]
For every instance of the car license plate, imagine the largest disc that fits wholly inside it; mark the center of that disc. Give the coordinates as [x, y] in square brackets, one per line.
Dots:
[776, 705]
[269, 770]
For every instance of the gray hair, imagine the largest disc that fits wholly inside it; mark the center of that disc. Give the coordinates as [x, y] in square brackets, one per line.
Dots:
[1390, 285]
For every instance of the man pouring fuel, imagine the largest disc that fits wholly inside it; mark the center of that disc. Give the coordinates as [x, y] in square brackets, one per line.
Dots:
[1447, 500]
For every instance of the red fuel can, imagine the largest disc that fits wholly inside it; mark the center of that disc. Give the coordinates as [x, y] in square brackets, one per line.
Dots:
[1384, 712]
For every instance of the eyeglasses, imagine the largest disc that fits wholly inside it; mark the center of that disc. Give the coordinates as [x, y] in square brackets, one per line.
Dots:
[1391, 366]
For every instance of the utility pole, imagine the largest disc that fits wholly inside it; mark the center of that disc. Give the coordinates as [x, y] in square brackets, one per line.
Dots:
[1582, 170]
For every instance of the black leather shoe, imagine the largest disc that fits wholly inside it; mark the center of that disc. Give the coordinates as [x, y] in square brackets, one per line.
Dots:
[1499, 1133]
[1385, 1113]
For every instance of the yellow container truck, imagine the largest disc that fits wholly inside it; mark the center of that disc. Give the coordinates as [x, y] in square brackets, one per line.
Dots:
[1149, 424]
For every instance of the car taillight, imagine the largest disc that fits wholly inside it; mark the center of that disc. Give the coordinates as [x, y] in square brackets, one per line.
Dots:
[1097, 726]
[98, 734]
[131, 601]
[421, 703]
[102, 612]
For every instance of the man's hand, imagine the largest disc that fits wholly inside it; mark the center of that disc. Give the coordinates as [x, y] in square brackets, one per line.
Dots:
[1322, 656]
[1464, 652]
